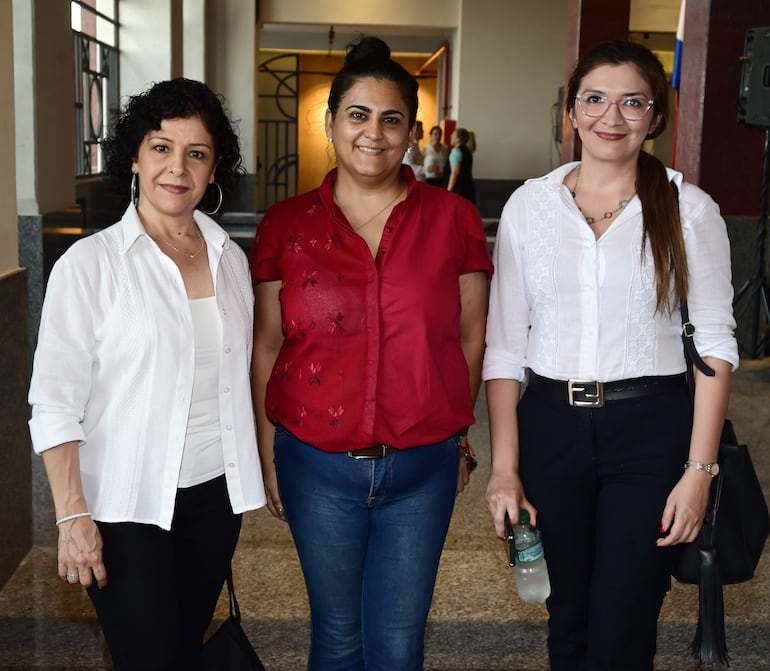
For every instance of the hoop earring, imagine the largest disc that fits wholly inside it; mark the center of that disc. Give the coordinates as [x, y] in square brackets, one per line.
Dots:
[133, 195]
[219, 204]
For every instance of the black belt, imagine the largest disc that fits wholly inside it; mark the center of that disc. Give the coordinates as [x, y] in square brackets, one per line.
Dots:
[373, 452]
[594, 394]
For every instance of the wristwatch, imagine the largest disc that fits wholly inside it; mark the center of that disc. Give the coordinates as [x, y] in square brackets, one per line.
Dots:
[711, 469]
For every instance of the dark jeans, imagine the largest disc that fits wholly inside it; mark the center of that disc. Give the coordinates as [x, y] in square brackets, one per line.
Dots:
[163, 586]
[369, 535]
[599, 479]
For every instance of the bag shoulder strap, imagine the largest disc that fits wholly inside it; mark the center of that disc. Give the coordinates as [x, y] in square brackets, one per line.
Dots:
[235, 611]
[688, 329]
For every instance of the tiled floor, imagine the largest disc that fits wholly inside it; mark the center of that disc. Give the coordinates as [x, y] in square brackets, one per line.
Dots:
[477, 622]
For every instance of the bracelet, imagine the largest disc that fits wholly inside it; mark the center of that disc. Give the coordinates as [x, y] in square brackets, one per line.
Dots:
[71, 517]
[469, 455]
[711, 469]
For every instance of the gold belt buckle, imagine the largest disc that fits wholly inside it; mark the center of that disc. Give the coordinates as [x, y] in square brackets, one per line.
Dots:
[585, 393]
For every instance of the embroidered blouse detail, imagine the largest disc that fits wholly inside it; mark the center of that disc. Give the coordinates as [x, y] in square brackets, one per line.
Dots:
[371, 345]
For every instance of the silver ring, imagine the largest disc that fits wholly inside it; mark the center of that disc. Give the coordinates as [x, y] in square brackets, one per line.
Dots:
[72, 576]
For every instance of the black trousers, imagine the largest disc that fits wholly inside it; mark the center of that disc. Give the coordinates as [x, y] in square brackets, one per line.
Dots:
[163, 586]
[599, 479]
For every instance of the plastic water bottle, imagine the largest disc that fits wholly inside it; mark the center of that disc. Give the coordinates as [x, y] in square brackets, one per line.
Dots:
[527, 560]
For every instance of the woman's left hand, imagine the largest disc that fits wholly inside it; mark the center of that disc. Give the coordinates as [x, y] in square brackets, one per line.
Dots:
[685, 508]
[80, 553]
[467, 463]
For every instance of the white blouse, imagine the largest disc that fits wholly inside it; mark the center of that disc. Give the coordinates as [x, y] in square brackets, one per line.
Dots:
[115, 363]
[570, 306]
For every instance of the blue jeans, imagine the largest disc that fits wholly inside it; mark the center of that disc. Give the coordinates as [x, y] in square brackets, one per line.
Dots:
[369, 535]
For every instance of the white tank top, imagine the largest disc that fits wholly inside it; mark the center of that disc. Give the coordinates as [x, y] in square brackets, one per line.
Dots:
[202, 458]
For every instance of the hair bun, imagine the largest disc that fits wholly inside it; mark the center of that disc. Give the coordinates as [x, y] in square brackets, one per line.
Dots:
[367, 49]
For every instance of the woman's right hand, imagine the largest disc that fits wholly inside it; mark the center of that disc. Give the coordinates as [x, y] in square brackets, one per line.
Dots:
[271, 490]
[505, 494]
[80, 553]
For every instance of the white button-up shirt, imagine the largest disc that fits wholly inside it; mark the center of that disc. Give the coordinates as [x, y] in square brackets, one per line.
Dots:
[570, 306]
[114, 370]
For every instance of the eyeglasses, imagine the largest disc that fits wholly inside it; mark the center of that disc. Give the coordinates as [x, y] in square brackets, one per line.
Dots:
[631, 108]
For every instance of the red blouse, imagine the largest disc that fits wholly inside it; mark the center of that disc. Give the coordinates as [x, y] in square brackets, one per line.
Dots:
[371, 351]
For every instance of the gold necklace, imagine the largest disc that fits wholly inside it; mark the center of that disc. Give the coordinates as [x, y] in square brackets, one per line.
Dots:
[608, 214]
[377, 214]
[190, 256]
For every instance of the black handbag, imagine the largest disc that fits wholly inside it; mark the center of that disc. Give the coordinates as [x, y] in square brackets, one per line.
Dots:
[734, 529]
[228, 648]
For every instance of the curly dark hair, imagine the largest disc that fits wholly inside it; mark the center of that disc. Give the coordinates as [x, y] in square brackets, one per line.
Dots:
[370, 57]
[178, 98]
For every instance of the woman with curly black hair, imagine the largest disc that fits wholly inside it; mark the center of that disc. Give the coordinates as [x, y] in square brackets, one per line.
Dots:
[141, 405]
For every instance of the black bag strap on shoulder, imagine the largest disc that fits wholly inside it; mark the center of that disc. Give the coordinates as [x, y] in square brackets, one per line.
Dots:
[688, 330]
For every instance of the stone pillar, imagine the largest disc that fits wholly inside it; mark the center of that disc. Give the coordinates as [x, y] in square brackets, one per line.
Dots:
[15, 476]
[589, 22]
[231, 58]
[714, 150]
[41, 59]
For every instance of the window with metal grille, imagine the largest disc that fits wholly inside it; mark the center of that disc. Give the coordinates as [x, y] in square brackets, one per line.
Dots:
[95, 35]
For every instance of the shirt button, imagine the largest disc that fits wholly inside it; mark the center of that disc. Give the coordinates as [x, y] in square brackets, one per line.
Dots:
[229, 427]
[227, 350]
[227, 390]
[231, 465]
[388, 229]
[380, 253]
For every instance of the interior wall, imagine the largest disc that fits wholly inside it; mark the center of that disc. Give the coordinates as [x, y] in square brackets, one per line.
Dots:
[145, 44]
[53, 100]
[23, 105]
[232, 54]
[9, 240]
[508, 73]
[194, 41]
[316, 155]
[15, 476]
[394, 13]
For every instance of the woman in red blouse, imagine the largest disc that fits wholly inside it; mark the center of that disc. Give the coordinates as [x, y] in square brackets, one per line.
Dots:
[370, 322]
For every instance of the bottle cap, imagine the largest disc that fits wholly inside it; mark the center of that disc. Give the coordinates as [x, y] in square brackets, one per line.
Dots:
[523, 516]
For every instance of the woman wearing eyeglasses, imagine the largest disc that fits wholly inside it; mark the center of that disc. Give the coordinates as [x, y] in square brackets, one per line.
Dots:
[604, 448]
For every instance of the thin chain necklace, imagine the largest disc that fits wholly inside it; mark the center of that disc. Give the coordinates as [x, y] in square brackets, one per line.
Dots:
[378, 213]
[190, 256]
[607, 215]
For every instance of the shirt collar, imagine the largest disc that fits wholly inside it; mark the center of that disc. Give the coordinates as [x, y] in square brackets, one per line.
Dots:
[132, 229]
[557, 176]
[326, 190]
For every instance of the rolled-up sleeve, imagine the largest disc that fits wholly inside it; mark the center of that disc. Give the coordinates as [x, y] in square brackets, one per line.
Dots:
[61, 377]
[508, 319]
[710, 293]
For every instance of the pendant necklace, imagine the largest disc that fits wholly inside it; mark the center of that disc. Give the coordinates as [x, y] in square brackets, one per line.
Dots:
[607, 215]
[377, 214]
[189, 256]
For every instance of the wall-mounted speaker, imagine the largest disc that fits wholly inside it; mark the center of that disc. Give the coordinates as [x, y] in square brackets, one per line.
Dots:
[754, 95]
